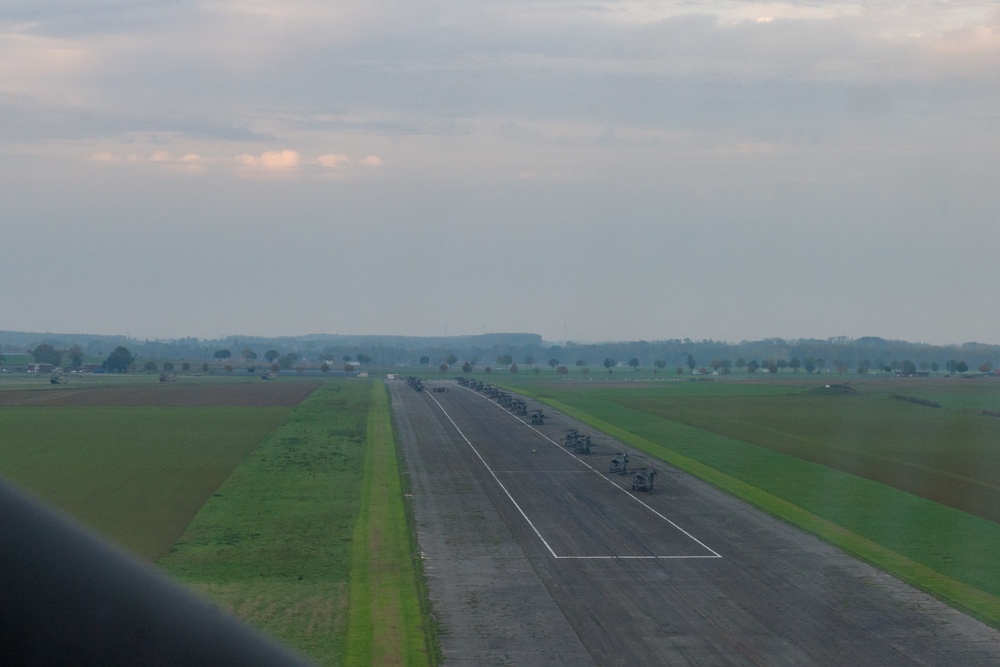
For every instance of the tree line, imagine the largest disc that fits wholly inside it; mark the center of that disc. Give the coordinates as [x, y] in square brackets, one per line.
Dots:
[501, 351]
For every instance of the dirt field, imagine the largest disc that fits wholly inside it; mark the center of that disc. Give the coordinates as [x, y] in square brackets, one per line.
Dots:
[537, 556]
[170, 395]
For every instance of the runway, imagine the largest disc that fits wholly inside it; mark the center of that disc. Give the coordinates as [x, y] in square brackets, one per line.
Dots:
[537, 556]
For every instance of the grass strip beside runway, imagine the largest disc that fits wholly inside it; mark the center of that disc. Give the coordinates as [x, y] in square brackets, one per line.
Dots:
[278, 545]
[947, 552]
[386, 625]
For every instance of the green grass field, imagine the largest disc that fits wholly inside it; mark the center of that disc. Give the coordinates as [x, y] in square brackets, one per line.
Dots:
[309, 539]
[138, 475]
[291, 518]
[908, 487]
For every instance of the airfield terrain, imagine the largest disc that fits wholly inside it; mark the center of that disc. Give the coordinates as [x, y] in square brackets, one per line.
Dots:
[535, 555]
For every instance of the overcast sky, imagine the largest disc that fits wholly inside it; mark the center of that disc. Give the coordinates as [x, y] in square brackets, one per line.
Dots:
[582, 170]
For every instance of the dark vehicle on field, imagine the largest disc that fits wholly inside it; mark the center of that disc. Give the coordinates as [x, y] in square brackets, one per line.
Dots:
[538, 417]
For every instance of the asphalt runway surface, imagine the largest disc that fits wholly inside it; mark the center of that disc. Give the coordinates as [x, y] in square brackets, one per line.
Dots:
[537, 556]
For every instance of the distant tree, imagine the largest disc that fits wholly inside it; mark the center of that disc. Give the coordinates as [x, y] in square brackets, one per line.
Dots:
[741, 363]
[204, 367]
[609, 363]
[863, 367]
[934, 366]
[120, 360]
[529, 360]
[466, 367]
[908, 367]
[287, 361]
[346, 358]
[425, 360]
[271, 356]
[75, 355]
[504, 360]
[795, 364]
[488, 370]
[772, 367]
[251, 369]
[691, 363]
[809, 363]
[47, 354]
[820, 364]
[3, 360]
[781, 364]
[514, 369]
[168, 366]
[985, 367]
[450, 359]
[679, 370]
[752, 366]
[275, 368]
[222, 354]
[248, 355]
[554, 363]
[961, 367]
[185, 367]
[325, 367]
[839, 366]
[149, 366]
[582, 364]
[634, 363]
[562, 370]
[443, 368]
[951, 365]
[660, 364]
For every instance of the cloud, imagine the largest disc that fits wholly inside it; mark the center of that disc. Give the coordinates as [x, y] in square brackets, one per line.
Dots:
[272, 160]
[372, 161]
[331, 161]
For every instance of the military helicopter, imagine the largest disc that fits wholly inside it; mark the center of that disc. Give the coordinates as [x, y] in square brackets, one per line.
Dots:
[619, 464]
[580, 443]
[538, 417]
[642, 479]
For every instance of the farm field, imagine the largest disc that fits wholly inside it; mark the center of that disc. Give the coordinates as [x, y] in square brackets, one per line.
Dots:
[309, 538]
[304, 533]
[909, 487]
[132, 457]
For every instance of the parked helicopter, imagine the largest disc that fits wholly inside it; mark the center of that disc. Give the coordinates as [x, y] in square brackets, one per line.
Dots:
[619, 464]
[642, 479]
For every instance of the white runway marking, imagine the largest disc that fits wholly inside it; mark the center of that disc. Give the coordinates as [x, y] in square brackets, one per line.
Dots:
[591, 469]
